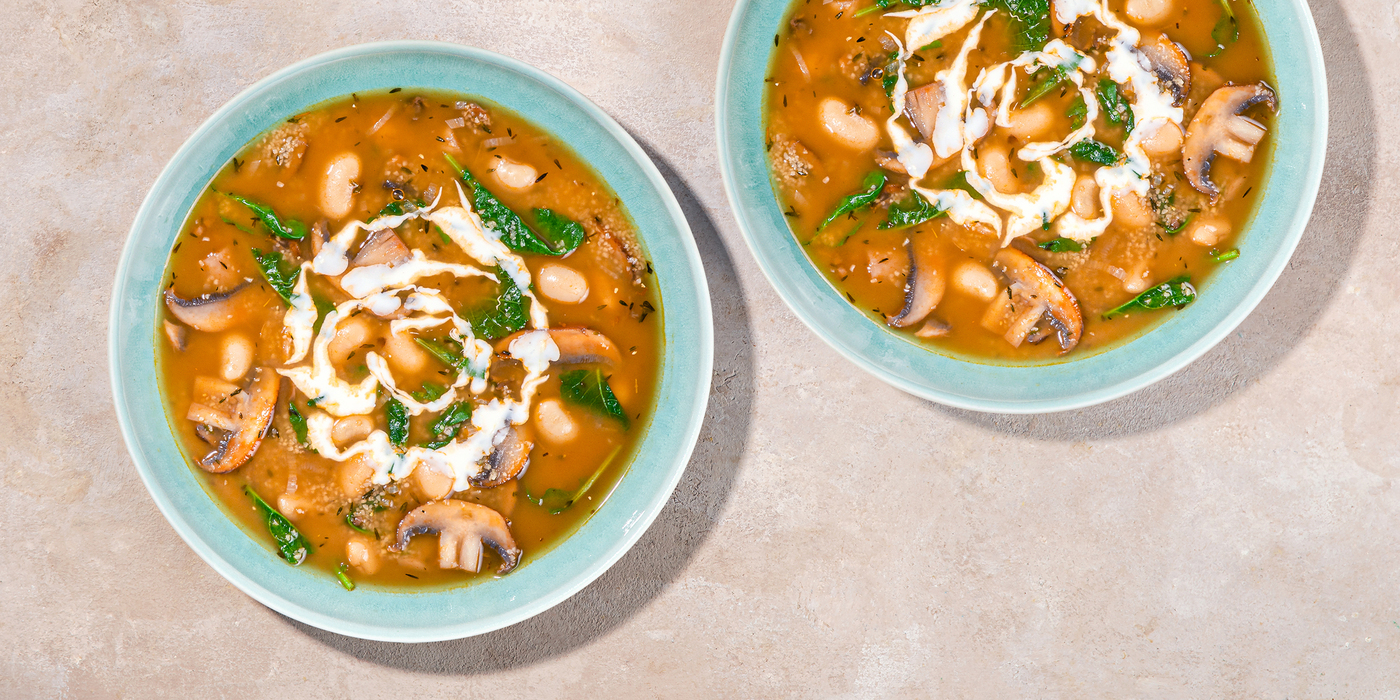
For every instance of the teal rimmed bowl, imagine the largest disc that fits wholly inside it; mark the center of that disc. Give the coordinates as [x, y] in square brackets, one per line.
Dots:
[312, 596]
[1227, 296]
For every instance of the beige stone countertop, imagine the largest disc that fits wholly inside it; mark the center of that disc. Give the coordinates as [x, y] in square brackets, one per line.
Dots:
[1229, 532]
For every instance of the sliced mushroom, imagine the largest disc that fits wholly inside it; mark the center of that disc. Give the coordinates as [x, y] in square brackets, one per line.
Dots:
[462, 528]
[1220, 127]
[320, 233]
[1037, 295]
[921, 105]
[1170, 66]
[251, 415]
[890, 161]
[383, 247]
[212, 313]
[177, 335]
[507, 461]
[924, 287]
[577, 346]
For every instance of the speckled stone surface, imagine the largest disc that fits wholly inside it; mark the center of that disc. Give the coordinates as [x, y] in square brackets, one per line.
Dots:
[1230, 532]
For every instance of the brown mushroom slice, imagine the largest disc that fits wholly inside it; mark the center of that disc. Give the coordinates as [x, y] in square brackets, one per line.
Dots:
[1036, 294]
[320, 233]
[252, 415]
[1221, 128]
[577, 346]
[462, 528]
[1170, 66]
[383, 247]
[924, 288]
[921, 105]
[507, 461]
[212, 313]
[177, 335]
[890, 161]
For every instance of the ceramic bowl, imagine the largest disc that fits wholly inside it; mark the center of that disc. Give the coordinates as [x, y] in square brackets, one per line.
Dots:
[312, 596]
[1227, 296]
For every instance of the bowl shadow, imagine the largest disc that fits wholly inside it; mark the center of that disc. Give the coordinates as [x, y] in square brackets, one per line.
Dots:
[1294, 304]
[664, 550]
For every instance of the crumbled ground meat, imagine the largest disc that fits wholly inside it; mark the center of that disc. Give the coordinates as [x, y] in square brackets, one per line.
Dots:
[476, 115]
[792, 162]
[1172, 203]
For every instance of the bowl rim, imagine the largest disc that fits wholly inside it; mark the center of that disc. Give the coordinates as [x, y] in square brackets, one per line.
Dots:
[803, 306]
[637, 522]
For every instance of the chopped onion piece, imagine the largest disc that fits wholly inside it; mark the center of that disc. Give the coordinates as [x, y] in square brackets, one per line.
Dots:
[497, 142]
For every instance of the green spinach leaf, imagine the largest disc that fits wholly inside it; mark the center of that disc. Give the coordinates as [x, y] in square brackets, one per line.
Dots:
[430, 392]
[294, 230]
[1178, 292]
[341, 573]
[281, 275]
[1115, 108]
[959, 182]
[448, 423]
[397, 415]
[1094, 152]
[589, 388]
[290, 544]
[500, 218]
[557, 501]
[1030, 22]
[564, 234]
[869, 192]
[1225, 256]
[298, 422]
[913, 211]
[502, 316]
[1077, 112]
[1062, 245]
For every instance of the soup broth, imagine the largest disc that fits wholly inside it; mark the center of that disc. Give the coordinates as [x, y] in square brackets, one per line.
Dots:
[418, 329]
[1019, 180]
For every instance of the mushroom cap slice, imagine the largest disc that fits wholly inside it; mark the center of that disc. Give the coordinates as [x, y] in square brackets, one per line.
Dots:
[383, 247]
[1170, 66]
[1219, 127]
[1037, 290]
[925, 286]
[507, 461]
[577, 346]
[212, 313]
[462, 529]
[921, 105]
[251, 418]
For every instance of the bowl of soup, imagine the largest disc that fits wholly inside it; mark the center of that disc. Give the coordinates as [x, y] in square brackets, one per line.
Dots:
[1022, 206]
[410, 341]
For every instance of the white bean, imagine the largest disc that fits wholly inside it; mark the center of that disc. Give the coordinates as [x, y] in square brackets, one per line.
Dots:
[359, 552]
[554, 422]
[352, 429]
[855, 131]
[1164, 142]
[349, 336]
[1208, 230]
[238, 357]
[354, 475]
[1131, 210]
[996, 166]
[404, 354]
[338, 185]
[516, 176]
[1149, 11]
[1084, 198]
[975, 280]
[1032, 122]
[562, 283]
[432, 483]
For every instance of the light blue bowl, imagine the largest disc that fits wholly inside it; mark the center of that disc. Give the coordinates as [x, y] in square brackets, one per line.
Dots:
[1299, 136]
[387, 614]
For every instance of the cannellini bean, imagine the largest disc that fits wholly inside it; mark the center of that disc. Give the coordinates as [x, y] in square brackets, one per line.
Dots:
[291, 506]
[854, 131]
[1208, 230]
[352, 429]
[562, 283]
[237, 357]
[349, 336]
[516, 176]
[1137, 279]
[338, 185]
[974, 279]
[1084, 198]
[404, 354]
[432, 483]
[1164, 142]
[1032, 122]
[1150, 11]
[354, 474]
[1131, 210]
[359, 552]
[554, 422]
[996, 166]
